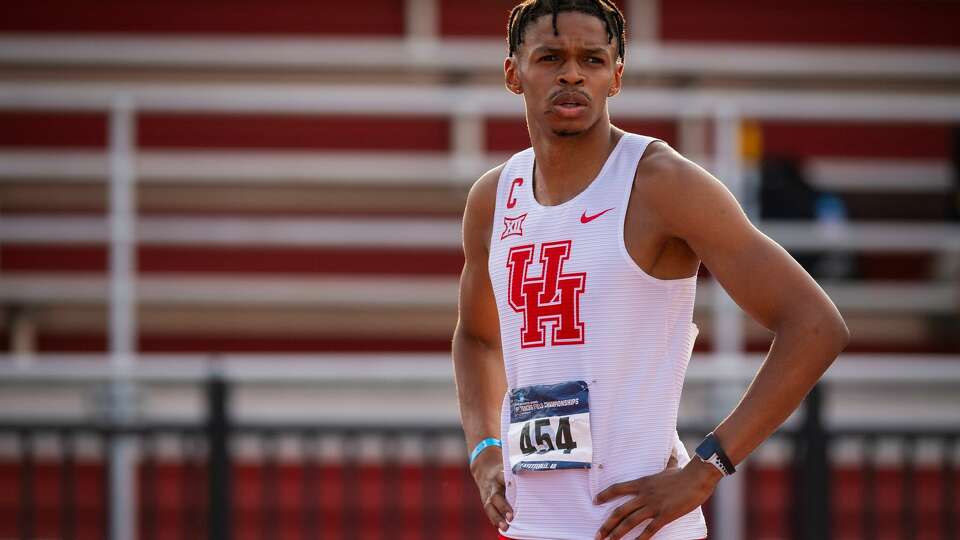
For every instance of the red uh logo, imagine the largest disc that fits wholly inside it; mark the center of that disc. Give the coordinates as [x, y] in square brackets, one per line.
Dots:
[553, 297]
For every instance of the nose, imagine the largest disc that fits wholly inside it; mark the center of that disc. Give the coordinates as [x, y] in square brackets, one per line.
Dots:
[569, 74]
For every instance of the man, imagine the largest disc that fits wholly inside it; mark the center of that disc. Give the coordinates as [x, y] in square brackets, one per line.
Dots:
[576, 300]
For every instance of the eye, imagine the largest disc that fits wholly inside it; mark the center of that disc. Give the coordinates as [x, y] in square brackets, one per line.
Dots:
[595, 60]
[548, 58]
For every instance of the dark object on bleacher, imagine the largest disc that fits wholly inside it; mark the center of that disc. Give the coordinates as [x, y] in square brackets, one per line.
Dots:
[953, 207]
[785, 195]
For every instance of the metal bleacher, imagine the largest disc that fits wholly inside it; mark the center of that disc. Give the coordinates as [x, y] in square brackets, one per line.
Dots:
[265, 194]
[207, 246]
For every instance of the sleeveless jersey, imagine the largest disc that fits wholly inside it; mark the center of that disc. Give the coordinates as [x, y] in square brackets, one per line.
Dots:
[574, 306]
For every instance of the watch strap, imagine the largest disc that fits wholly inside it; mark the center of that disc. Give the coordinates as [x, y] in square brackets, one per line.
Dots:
[711, 452]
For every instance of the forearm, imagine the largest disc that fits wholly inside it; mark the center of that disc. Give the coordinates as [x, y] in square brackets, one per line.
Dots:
[798, 357]
[481, 384]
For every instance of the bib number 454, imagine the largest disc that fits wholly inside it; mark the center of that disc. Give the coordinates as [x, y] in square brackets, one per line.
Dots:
[541, 441]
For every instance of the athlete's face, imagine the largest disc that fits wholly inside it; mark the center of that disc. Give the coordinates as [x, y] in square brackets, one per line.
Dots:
[565, 79]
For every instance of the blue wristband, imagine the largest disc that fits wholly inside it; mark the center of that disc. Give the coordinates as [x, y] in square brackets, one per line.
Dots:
[482, 445]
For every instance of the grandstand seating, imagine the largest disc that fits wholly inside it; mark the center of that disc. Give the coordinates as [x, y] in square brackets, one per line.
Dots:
[229, 201]
[172, 145]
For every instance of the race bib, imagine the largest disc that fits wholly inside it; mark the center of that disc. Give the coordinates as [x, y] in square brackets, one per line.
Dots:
[550, 427]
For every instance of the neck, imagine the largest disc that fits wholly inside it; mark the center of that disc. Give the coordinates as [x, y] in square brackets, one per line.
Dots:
[565, 165]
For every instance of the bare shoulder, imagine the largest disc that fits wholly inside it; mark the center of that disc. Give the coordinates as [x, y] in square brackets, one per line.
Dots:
[478, 214]
[484, 190]
[664, 171]
[674, 188]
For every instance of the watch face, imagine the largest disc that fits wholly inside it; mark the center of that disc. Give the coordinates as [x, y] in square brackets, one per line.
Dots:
[706, 449]
[710, 451]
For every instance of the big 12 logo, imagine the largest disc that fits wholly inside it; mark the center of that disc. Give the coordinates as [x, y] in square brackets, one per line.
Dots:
[552, 297]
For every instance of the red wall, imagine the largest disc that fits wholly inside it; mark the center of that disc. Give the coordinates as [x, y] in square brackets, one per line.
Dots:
[836, 22]
[283, 17]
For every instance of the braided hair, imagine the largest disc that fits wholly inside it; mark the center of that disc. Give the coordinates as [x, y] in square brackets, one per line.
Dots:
[529, 10]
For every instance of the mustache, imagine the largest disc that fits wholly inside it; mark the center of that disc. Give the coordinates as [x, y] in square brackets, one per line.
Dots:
[568, 93]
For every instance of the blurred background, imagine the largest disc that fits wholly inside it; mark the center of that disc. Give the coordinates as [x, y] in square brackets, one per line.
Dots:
[229, 251]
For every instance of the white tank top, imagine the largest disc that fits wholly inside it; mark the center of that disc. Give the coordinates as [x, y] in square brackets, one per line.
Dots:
[596, 317]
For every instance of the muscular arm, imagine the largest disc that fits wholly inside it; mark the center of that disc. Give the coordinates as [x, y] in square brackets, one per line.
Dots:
[687, 203]
[766, 282]
[477, 358]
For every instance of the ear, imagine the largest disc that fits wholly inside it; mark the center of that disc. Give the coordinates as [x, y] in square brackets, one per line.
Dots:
[511, 76]
[617, 84]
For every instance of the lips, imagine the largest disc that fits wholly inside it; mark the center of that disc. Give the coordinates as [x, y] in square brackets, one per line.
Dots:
[570, 99]
[569, 104]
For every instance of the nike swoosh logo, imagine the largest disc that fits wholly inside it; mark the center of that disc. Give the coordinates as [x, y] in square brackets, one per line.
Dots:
[587, 219]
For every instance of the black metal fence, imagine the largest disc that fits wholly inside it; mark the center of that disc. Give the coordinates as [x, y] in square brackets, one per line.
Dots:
[445, 504]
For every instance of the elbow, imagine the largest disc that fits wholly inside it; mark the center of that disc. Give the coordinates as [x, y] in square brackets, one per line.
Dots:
[835, 329]
[464, 337]
[829, 329]
[843, 336]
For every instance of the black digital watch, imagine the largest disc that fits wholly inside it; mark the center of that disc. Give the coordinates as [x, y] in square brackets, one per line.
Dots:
[711, 452]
